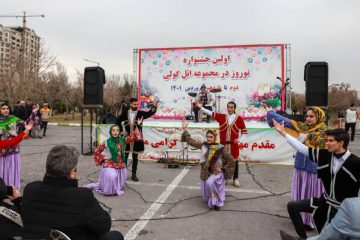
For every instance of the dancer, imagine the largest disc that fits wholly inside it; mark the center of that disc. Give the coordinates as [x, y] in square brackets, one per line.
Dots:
[305, 181]
[217, 165]
[230, 125]
[339, 170]
[130, 120]
[111, 156]
[10, 157]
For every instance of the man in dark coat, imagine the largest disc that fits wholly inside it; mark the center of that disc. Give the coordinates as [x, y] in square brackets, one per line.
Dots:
[130, 119]
[10, 219]
[58, 203]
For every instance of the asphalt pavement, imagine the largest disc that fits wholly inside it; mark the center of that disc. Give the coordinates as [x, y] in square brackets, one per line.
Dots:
[167, 203]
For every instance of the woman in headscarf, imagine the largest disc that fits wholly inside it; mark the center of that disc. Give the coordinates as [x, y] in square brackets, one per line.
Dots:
[110, 154]
[10, 157]
[305, 183]
[217, 165]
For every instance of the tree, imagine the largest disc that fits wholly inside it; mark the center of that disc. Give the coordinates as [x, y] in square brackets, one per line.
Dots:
[340, 97]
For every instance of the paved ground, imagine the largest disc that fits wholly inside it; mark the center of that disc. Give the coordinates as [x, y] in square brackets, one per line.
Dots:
[167, 204]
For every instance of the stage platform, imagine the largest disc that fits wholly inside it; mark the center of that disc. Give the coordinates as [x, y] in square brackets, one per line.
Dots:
[262, 144]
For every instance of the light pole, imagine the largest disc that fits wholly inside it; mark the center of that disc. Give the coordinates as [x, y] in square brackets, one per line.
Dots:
[92, 61]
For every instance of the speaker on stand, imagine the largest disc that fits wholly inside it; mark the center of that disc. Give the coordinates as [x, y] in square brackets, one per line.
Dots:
[94, 80]
[316, 76]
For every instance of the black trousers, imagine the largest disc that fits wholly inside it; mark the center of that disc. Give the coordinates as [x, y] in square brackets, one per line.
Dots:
[352, 126]
[236, 172]
[294, 209]
[44, 125]
[196, 113]
[134, 163]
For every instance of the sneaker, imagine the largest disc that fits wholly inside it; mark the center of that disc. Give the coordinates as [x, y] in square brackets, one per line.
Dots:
[236, 182]
[134, 178]
[217, 208]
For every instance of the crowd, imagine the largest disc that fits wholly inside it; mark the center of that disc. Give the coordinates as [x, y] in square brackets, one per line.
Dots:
[326, 177]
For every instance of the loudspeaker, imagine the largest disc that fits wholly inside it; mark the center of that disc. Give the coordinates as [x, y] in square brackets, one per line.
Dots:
[94, 80]
[316, 78]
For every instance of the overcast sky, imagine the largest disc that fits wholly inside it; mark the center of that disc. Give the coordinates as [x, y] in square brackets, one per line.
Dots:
[107, 31]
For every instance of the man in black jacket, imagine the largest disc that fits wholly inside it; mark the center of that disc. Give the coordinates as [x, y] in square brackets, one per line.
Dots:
[130, 119]
[58, 203]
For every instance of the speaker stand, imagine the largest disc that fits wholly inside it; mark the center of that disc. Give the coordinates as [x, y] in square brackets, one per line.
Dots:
[91, 108]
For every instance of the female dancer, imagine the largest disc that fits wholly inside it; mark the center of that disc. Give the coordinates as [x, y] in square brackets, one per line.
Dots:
[217, 165]
[10, 157]
[305, 182]
[111, 156]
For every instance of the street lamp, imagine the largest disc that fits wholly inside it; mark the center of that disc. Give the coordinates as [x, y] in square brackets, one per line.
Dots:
[92, 62]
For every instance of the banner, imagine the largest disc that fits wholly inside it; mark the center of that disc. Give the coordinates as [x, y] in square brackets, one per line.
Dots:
[248, 75]
[261, 144]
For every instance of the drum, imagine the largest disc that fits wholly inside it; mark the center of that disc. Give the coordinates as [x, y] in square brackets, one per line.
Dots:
[192, 94]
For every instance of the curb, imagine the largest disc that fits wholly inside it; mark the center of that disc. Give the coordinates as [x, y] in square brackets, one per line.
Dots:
[68, 124]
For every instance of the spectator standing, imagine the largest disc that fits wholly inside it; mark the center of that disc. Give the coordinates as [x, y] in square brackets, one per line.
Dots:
[350, 120]
[45, 113]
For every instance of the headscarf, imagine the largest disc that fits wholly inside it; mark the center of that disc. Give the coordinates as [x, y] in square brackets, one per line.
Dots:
[213, 147]
[113, 144]
[6, 120]
[316, 136]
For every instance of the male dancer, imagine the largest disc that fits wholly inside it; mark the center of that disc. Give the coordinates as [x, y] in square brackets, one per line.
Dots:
[339, 170]
[131, 118]
[230, 125]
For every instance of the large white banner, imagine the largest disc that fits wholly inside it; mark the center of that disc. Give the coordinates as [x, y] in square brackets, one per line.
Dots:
[261, 145]
[248, 75]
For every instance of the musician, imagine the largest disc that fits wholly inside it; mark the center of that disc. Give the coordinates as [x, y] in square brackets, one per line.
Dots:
[207, 101]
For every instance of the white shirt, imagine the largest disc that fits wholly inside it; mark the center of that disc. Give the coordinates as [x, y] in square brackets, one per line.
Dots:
[337, 162]
[230, 119]
[350, 116]
[300, 147]
[132, 116]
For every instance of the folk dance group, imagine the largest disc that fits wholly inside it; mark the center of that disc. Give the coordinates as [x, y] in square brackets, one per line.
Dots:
[325, 172]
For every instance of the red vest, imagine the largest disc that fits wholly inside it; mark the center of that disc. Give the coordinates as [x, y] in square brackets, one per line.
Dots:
[228, 133]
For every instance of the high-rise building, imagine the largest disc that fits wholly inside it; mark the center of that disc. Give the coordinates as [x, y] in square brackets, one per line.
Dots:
[13, 43]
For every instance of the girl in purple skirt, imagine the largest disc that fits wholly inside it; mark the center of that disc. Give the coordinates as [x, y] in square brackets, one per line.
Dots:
[305, 183]
[111, 156]
[217, 165]
[10, 157]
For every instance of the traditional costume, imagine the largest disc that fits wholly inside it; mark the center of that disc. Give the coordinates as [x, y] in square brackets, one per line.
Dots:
[229, 127]
[10, 157]
[340, 174]
[129, 122]
[217, 165]
[113, 174]
[305, 181]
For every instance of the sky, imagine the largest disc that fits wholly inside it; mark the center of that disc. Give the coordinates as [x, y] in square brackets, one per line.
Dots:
[107, 31]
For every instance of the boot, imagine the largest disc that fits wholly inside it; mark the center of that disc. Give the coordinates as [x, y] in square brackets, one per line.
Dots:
[236, 182]
[217, 208]
[285, 236]
[134, 178]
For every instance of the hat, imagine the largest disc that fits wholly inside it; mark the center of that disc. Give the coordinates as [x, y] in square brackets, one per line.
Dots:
[203, 86]
[4, 190]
